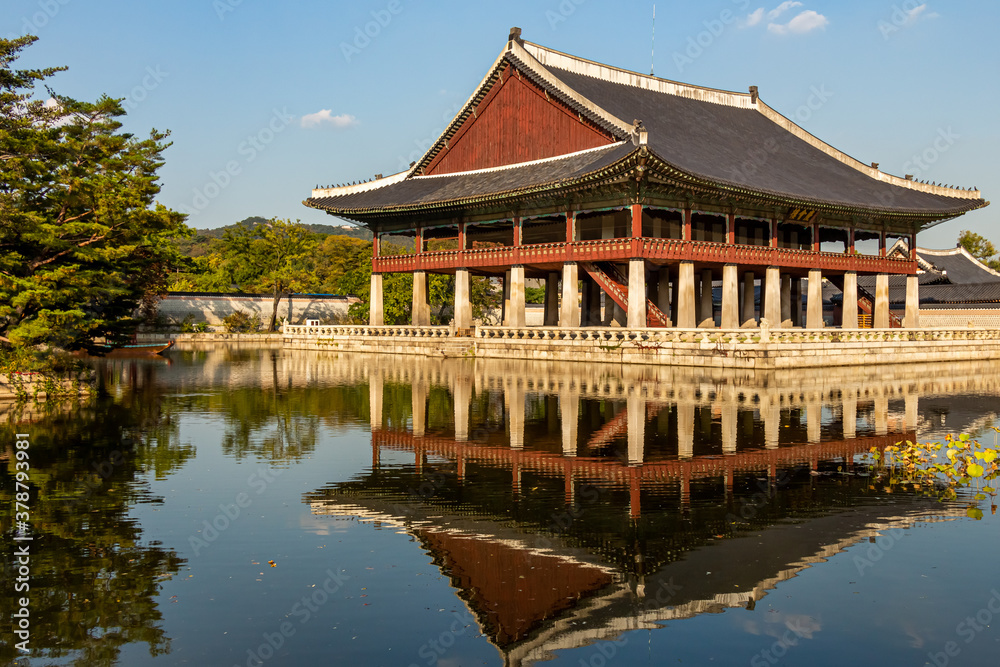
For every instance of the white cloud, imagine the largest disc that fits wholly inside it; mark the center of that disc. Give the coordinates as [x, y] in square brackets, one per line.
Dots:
[805, 22]
[326, 117]
[754, 18]
[781, 9]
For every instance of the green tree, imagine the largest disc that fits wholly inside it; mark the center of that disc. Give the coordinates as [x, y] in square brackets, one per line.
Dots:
[980, 248]
[82, 243]
[273, 257]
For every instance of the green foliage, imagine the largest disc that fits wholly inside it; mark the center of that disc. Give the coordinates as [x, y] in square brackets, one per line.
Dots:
[242, 322]
[941, 469]
[82, 243]
[980, 248]
[534, 295]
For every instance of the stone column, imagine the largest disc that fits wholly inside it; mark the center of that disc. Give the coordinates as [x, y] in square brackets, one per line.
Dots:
[570, 316]
[849, 414]
[516, 315]
[814, 309]
[707, 313]
[418, 398]
[375, 311]
[514, 396]
[748, 317]
[685, 429]
[729, 425]
[880, 318]
[463, 305]
[461, 396]
[420, 313]
[637, 294]
[912, 303]
[375, 386]
[730, 297]
[850, 320]
[552, 299]
[772, 297]
[636, 407]
[796, 302]
[685, 296]
[786, 301]
[569, 414]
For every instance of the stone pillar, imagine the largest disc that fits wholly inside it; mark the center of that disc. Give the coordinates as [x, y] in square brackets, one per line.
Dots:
[685, 429]
[505, 302]
[880, 318]
[814, 420]
[685, 296]
[461, 396]
[569, 414]
[729, 425]
[375, 386]
[814, 309]
[636, 407]
[375, 311]
[418, 398]
[770, 414]
[663, 293]
[849, 414]
[514, 396]
[730, 297]
[552, 299]
[420, 313]
[911, 403]
[850, 319]
[772, 297]
[786, 301]
[570, 316]
[748, 317]
[637, 294]
[516, 315]
[912, 303]
[796, 302]
[707, 313]
[463, 305]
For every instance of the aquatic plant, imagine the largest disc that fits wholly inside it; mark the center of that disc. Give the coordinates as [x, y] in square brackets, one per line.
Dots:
[943, 469]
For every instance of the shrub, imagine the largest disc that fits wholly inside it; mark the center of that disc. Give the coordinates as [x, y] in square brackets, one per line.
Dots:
[242, 322]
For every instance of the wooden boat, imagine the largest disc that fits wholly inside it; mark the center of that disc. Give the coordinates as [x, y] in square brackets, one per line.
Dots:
[134, 349]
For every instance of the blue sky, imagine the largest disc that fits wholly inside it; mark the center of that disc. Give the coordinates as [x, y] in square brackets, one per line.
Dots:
[265, 100]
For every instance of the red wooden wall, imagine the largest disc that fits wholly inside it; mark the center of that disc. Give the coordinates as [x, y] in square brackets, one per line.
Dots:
[516, 122]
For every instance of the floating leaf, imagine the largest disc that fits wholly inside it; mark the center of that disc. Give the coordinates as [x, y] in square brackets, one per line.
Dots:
[989, 455]
[975, 470]
[974, 513]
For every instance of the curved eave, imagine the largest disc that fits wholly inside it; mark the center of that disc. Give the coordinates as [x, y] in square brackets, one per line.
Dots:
[769, 197]
[617, 168]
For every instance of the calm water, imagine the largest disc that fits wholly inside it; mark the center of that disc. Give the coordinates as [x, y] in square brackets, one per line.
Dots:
[267, 507]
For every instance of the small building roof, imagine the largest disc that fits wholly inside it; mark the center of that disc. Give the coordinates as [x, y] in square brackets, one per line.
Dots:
[728, 143]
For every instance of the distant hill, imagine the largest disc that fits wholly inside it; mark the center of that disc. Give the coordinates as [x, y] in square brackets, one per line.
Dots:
[198, 244]
[253, 221]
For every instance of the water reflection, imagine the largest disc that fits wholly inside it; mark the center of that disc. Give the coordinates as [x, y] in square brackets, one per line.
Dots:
[569, 504]
[566, 504]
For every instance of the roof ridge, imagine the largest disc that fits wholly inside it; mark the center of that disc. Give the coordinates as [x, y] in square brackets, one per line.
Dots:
[527, 163]
[373, 184]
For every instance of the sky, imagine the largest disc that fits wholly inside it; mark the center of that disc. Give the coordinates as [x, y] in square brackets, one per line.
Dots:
[266, 100]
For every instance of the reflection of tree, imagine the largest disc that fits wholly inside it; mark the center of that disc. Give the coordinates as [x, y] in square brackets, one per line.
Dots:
[93, 582]
[270, 425]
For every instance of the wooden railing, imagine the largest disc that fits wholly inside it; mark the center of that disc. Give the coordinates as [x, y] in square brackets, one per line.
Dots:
[620, 249]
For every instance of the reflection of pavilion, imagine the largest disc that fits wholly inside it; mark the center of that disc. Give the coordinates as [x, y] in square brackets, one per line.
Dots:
[549, 552]
[571, 504]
